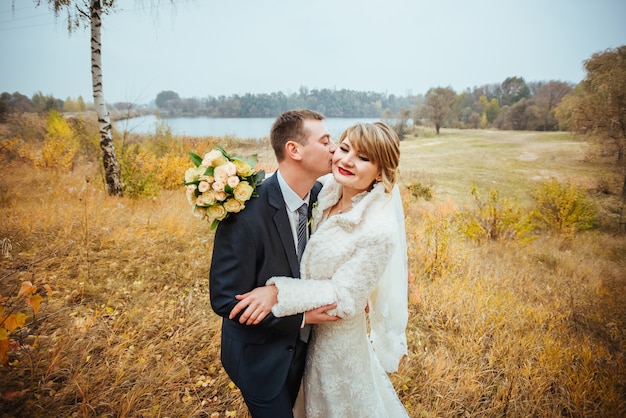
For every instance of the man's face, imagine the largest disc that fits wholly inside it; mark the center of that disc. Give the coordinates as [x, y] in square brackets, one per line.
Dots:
[318, 148]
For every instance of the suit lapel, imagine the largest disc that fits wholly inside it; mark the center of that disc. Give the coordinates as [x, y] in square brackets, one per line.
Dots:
[281, 222]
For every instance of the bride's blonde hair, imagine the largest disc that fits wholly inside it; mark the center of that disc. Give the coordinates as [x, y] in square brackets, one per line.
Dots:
[380, 144]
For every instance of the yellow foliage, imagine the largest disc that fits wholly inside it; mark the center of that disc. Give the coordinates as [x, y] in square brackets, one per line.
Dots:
[10, 147]
[60, 145]
[564, 207]
[495, 218]
[438, 229]
[11, 320]
[171, 170]
[145, 174]
[14, 321]
[34, 301]
[30, 151]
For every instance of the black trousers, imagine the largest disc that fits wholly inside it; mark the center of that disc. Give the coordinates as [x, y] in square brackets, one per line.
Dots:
[282, 405]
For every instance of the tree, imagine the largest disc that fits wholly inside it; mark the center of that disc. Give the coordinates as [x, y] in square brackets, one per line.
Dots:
[439, 103]
[46, 103]
[514, 89]
[491, 108]
[81, 104]
[543, 103]
[401, 120]
[167, 100]
[15, 103]
[514, 117]
[89, 12]
[597, 106]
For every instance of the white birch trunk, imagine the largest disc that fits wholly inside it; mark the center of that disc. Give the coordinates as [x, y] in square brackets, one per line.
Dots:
[109, 159]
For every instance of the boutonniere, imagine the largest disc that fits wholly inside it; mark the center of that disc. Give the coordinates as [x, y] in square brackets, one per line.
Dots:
[313, 212]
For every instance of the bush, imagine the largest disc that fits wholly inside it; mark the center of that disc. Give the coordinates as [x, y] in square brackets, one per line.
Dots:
[10, 148]
[60, 145]
[564, 208]
[420, 190]
[434, 251]
[137, 172]
[88, 133]
[495, 219]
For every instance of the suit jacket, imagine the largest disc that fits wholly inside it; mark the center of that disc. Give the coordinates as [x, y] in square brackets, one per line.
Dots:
[250, 247]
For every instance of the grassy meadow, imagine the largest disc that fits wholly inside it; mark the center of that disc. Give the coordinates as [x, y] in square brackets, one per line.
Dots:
[505, 327]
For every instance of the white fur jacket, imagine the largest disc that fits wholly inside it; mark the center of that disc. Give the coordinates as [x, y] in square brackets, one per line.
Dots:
[344, 258]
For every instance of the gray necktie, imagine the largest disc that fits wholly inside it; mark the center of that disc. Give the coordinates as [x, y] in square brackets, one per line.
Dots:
[302, 225]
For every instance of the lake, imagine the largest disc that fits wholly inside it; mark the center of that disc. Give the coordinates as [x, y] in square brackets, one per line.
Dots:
[239, 127]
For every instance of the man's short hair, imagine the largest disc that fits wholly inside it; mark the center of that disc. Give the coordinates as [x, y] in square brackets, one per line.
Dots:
[289, 126]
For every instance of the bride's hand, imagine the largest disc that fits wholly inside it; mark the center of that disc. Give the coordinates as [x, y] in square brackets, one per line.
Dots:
[255, 305]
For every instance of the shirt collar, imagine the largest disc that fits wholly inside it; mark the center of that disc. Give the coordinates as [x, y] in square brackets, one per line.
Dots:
[292, 200]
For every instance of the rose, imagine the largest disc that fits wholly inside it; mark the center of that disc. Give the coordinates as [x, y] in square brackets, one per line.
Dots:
[206, 199]
[231, 169]
[213, 158]
[243, 168]
[233, 205]
[243, 191]
[221, 173]
[190, 193]
[220, 196]
[218, 186]
[194, 173]
[216, 212]
[233, 181]
[203, 186]
[199, 212]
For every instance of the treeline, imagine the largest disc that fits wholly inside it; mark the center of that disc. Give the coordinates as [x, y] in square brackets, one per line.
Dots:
[331, 103]
[512, 105]
[16, 103]
[39, 103]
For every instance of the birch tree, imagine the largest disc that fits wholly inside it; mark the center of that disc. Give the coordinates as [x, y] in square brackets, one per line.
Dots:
[82, 13]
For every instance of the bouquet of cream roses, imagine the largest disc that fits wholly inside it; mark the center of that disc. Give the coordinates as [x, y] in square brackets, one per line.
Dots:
[219, 184]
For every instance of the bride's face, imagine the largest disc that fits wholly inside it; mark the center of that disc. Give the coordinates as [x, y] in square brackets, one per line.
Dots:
[353, 169]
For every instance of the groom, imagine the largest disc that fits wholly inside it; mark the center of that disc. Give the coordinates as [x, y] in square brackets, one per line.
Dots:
[266, 361]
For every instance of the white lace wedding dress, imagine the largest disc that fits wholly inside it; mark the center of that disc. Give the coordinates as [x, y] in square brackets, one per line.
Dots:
[344, 260]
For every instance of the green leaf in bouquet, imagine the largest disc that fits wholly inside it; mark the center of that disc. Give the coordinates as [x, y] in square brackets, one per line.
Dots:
[224, 153]
[195, 158]
[252, 160]
[258, 177]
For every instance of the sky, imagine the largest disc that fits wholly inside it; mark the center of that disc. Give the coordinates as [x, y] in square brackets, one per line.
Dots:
[202, 48]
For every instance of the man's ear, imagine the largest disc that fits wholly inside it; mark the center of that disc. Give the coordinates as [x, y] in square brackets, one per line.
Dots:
[292, 150]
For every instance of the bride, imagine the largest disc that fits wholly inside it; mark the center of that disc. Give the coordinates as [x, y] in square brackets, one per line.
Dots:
[355, 258]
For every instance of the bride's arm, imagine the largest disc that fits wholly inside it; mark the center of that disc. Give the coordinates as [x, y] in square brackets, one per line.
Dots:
[349, 287]
[254, 306]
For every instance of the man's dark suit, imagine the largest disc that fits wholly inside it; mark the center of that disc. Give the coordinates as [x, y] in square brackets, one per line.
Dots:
[250, 247]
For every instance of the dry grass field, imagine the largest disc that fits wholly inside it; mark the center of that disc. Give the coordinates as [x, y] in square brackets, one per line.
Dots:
[497, 328]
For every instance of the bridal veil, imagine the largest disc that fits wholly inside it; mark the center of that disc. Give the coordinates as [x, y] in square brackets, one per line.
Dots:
[389, 301]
